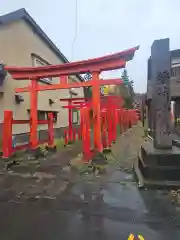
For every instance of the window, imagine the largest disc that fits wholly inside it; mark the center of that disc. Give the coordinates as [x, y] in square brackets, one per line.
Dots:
[43, 115]
[75, 116]
[37, 61]
[175, 71]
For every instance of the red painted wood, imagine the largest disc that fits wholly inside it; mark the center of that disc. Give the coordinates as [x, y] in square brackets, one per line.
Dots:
[7, 134]
[44, 72]
[50, 130]
[108, 62]
[64, 79]
[42, 121]
[70, 122]
[96, 111]
[33, 114]
[72, 107]
[71, 85]
[108, 106]
[20, 121]
[71, 99]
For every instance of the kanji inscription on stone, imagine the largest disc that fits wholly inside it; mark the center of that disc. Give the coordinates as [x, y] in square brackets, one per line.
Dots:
[161, 98]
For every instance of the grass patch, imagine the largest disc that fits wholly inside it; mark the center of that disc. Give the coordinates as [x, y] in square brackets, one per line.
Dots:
[59, 142]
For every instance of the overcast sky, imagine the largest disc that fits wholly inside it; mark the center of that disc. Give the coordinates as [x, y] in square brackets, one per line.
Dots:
[106, 26]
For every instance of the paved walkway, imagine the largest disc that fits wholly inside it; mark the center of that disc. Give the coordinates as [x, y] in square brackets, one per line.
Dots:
[109, 206]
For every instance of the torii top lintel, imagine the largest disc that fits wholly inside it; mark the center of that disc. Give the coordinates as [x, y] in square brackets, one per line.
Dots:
[109, 62]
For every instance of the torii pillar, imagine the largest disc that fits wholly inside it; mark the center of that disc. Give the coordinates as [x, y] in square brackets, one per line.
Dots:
[96, 111]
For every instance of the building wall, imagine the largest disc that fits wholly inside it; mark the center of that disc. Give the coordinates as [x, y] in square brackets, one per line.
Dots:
[175, 77]
[18, 42]
[175, 61]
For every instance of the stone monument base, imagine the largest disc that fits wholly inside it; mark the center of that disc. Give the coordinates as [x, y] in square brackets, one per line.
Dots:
[160, 168]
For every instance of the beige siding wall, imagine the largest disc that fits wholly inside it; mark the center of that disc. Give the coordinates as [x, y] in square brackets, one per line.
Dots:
[17, 42]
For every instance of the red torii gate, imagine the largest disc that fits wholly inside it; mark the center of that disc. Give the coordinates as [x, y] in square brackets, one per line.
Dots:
[108, 102]
[95, 66]
[70, 120]
[112, 115]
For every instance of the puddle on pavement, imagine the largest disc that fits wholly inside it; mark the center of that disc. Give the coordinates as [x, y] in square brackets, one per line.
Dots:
[118, 192]
[126, 196]
[119, 176]
[116, 209]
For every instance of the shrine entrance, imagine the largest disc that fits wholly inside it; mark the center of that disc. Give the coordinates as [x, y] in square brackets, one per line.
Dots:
[95, 67]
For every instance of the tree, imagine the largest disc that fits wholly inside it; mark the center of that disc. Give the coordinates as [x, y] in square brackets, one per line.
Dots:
[126, 90]
[125, 77]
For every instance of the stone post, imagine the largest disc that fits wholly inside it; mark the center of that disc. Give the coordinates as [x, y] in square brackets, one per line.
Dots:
[161, 107]
[177, 114]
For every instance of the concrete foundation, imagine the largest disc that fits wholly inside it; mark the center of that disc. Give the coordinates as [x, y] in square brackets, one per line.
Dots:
[155, 167]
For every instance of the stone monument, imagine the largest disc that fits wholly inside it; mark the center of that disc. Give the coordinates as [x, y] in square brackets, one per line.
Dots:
[159, 162]
[161, 98]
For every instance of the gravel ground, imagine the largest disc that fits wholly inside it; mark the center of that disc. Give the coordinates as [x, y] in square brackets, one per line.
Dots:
[43, 178]
[127, 146]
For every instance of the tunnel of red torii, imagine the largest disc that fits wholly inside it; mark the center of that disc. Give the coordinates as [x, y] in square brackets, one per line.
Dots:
[94, 66]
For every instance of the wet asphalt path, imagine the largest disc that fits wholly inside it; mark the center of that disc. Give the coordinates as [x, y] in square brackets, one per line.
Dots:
[93, 208]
